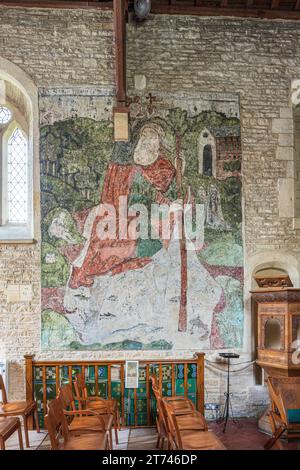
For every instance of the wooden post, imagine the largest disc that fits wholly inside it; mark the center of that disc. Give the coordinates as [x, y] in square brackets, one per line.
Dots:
[29, 376]
[185, 380]
[29, 384]
[200, 382]
[148, 392]
[122, 376]
[182, 319]
[120, 54]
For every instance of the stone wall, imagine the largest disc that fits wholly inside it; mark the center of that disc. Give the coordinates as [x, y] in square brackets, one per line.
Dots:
[256, 58]
[59, 47]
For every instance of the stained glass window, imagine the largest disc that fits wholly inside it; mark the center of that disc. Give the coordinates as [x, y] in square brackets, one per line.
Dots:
[5, 115]
[17, 178]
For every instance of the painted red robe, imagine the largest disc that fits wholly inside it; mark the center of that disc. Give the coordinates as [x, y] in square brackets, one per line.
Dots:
[119, 255]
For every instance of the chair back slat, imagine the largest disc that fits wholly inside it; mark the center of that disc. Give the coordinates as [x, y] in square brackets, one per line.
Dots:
[174, 435]
[3, 390]
[67, 398]
[288, 389]
[291, 396]
[162, 416]
[103, 405]
[80, 386]
[56, 423]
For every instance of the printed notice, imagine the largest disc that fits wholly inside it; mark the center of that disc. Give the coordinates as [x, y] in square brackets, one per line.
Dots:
[132, 374]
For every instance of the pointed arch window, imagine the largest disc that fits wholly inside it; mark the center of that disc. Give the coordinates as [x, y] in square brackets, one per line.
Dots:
[17, 173]
[15, 185]
[5, 115]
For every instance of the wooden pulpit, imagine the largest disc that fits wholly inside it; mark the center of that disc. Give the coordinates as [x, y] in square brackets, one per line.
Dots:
[278, 330]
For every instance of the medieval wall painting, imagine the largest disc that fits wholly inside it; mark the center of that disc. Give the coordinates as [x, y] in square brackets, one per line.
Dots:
[136, 292]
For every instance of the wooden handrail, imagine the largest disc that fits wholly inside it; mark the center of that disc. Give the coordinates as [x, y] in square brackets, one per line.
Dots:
[198, 392]
[107, 362]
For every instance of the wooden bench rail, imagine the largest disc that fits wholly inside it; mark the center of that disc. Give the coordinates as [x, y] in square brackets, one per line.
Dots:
[137, 407]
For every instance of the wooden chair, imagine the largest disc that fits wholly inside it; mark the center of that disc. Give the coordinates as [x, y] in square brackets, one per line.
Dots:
[8, 426]
[190, 438]
[188, 416]
[82, 421]
[285, 409]
[97, 403]
[18, 408]
[57, 426]
[178, 402]
[161, 424]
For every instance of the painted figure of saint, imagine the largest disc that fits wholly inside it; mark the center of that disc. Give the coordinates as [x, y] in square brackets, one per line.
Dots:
[118, 255]
[130, 289]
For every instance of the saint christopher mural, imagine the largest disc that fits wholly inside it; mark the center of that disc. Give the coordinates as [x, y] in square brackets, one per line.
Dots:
[136, 292]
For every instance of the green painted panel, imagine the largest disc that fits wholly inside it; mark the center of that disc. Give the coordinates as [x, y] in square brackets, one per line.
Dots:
[102, 389]
[116, 388]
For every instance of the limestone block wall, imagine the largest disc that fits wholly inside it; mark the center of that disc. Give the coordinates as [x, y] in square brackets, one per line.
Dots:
[256, 58]
[59, 47]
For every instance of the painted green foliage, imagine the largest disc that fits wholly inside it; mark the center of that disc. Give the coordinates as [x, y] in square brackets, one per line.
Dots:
[74, 157]
[56, 330]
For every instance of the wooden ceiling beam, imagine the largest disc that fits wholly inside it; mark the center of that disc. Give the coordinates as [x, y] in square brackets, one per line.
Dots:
[56, 4]
[172, 8]
[177, 9]
[120, 7]
[274, 4]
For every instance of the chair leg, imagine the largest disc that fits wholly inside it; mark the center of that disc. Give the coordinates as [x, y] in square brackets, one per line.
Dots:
[118, 420]
[162, 443]
[116, 429]
[272, 441]
[158, 442]
[36, 418]
[2, 444]
[110, 440]
[20, 437]
[26, 431]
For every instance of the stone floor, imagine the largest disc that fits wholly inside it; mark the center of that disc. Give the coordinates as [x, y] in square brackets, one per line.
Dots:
[242, 435]
[40, 441]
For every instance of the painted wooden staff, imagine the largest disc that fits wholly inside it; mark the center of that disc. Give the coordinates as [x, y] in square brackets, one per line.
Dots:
[182, 321]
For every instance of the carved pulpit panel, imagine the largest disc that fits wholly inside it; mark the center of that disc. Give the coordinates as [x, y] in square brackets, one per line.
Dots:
[278, 326]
